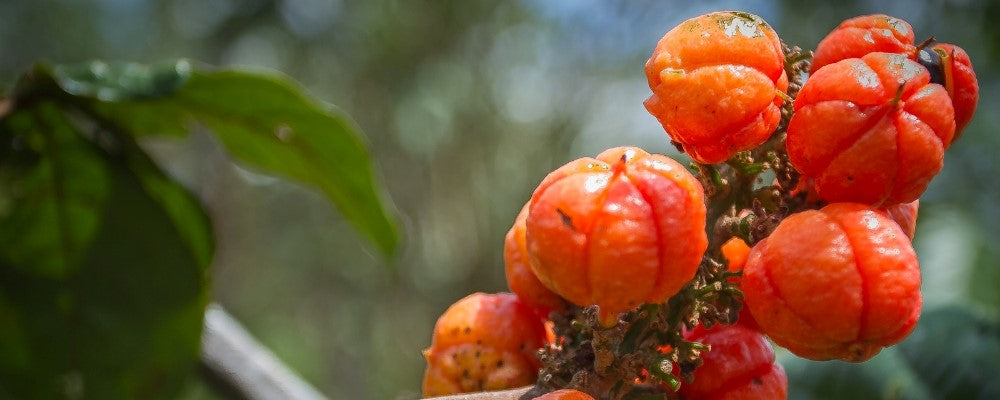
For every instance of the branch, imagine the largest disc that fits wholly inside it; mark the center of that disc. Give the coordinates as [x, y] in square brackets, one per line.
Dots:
[512, 394]
[238, 365]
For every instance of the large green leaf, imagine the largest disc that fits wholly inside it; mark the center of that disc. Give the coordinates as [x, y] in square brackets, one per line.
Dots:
[120, 314]
[952, 354]
[103, 258]
[53, 192]
[265, 121]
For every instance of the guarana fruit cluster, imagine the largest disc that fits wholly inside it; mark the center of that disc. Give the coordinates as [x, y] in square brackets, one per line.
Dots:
[633, 275]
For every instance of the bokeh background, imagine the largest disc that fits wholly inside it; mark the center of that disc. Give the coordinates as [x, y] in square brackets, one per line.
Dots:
[466, 105]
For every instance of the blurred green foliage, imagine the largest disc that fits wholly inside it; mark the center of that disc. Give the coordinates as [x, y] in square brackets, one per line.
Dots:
[948, 356]
[103, 266]
[465, 107]
[104, 259]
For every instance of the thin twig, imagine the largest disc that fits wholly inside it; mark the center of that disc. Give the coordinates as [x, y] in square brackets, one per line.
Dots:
[237, 362]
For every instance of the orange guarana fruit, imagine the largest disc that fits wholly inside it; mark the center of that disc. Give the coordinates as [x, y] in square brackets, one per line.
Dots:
[905, 215]
[715, 81]
[736, 251]
[520, 277]
[951, 67]
[550, 333]
[841, 282]
[565, 394]
[616, 231]
[858, 36]
[483, 342]
[739, 366]
[870, 130]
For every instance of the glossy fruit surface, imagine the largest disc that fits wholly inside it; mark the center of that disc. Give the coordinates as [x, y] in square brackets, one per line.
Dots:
[905, 215]
[565, 394]
[858, 36]
[736, 251]
[870, 130]
[740, 366]
[836, 283]
[520, 278]
[483, 342]
[619, 230]
[715, 81]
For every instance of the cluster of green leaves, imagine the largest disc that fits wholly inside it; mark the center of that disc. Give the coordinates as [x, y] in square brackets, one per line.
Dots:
[103, 257]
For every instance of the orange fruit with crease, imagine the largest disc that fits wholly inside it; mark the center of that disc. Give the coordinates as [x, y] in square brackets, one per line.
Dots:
[616, 231]
[521, 278]
[841, 282]
[483, 342]
[858, 36]
[716, 80]
[870, 130]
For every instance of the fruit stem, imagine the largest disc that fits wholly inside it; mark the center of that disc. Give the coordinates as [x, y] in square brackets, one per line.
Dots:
[925, 43]
[898, 96]
[786, 98]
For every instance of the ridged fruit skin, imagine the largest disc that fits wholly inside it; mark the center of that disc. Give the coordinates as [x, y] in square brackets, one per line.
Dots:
[961, 84]
[858, 36]
[860, 139]
[740, 366]
[520, 278]
[565, 394]
[483, 342]
[619, 230]
[715, 80]
[841, 282]
[905, 215]
[736, 251]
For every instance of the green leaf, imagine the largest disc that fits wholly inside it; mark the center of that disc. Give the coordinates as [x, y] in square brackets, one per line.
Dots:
[143, 292]
[265, 121]
[122, 81]
[952, 354]
[108, 303]
[53, 190]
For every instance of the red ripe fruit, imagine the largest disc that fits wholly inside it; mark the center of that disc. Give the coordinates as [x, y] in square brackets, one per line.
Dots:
[841, 282]
[520, 277]
[951, 67]
[870, 130]
[858, 36]
[617, 231]
[483, 342]
[715, 81]
[740, 366]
